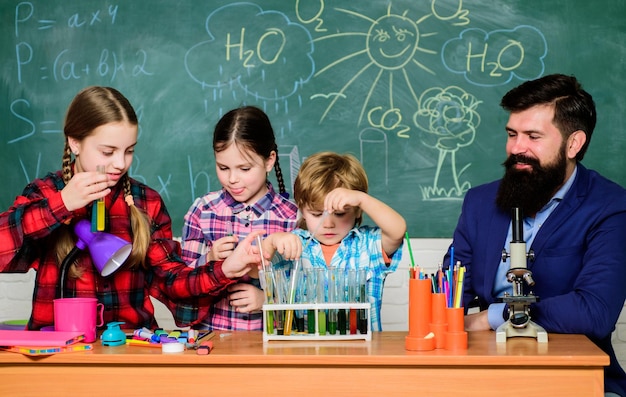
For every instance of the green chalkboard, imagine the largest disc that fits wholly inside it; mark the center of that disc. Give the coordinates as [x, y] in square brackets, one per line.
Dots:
[411, 87]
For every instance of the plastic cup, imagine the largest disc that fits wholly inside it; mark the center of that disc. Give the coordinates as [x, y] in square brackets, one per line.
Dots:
[78, 314]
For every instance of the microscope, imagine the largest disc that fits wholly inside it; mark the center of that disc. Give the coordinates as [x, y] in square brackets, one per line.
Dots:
[519, 323]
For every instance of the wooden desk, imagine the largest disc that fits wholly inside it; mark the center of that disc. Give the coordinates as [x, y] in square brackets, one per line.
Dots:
[241, 364]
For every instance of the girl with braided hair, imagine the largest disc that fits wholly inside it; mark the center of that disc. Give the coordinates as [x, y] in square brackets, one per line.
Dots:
[245, 152]
[36, 232]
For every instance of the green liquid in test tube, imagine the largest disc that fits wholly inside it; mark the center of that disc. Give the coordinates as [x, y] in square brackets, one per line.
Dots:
[266, 277]
[268, 287]
[321, 298]
[362, 320]
[311, 281]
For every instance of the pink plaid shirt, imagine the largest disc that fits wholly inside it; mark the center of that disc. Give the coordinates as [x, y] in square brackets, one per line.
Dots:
[206, 221]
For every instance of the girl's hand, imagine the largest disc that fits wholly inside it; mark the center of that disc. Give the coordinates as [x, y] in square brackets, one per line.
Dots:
[243, 258]
[84, 188]
[245, 298]
[222, 248]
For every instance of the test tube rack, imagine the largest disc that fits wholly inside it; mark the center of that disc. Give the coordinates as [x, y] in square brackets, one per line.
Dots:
[316, 307]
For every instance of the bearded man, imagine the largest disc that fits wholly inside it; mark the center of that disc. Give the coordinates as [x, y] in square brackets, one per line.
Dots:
[574, 220]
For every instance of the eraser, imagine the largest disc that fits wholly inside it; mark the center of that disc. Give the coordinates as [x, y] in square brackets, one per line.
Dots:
[205, 348]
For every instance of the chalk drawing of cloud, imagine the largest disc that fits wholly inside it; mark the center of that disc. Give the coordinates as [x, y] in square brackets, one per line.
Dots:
[494, 58]
[260, 52]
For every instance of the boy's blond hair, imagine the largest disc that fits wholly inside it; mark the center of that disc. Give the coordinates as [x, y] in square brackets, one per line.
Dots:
[323, 172]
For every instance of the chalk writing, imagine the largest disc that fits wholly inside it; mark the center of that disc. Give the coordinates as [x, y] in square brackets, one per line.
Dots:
[315, 19]
[496, 57]
[401, 84]
[193, 181]
[25, 10]
[254, 46]
[31, 127]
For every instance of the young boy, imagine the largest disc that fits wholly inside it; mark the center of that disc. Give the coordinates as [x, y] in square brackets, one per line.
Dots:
[331, 193]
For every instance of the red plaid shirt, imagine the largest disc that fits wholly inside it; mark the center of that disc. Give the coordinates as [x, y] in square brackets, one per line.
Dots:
[27, 235]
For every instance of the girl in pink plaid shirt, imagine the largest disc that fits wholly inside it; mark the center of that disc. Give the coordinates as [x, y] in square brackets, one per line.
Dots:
[245, 152]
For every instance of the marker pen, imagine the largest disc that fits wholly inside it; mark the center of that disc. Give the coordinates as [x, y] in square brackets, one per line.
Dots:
[144, 333]
[144, 343]
[191, 335]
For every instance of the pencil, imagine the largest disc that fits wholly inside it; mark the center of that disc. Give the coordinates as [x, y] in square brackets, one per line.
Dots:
[408, 244]
[459, 287]
[204, 336]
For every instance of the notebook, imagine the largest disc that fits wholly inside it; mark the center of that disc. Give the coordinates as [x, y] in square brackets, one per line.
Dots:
[47, 350]
[39, 338]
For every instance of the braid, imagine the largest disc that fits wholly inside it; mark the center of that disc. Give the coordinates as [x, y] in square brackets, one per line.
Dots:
[279, 177]
[65, 241]
[67, 162]
[140, 227]
[127, 191]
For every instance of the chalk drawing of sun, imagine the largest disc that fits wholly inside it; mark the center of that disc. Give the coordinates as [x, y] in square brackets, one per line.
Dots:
[392, 45]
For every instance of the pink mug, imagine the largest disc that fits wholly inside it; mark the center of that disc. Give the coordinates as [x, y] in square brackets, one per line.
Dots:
[78, 314]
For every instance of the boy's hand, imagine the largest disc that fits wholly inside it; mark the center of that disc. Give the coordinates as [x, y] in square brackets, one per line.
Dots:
[287, 244]
[340, 199]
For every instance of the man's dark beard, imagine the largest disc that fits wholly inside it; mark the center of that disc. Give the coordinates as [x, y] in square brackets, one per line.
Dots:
[530, 190]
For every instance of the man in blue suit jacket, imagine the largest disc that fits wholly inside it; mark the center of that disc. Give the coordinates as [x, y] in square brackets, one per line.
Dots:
[574, 221]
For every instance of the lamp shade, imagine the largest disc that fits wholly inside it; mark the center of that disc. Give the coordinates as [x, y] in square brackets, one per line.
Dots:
[107, 251]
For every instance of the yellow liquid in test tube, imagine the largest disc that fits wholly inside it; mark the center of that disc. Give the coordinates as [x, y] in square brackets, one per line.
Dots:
[100, 209]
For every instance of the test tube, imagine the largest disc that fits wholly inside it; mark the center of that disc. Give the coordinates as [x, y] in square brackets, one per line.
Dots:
[341, 297]
[332, 298]
[259, 244]
[266, 278]
[279, 290]
[311, 295]
[228, 224]
[321, 298]
[352, 298]
[300, 298]
[98, 214]
[362, 320]
[291, 297]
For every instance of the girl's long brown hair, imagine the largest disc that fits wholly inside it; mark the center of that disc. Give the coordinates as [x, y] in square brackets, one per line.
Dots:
[91, 108]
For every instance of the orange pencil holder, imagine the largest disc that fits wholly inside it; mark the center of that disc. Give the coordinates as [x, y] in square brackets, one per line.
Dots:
[456, 336]
[420, 312]
[439, 322]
